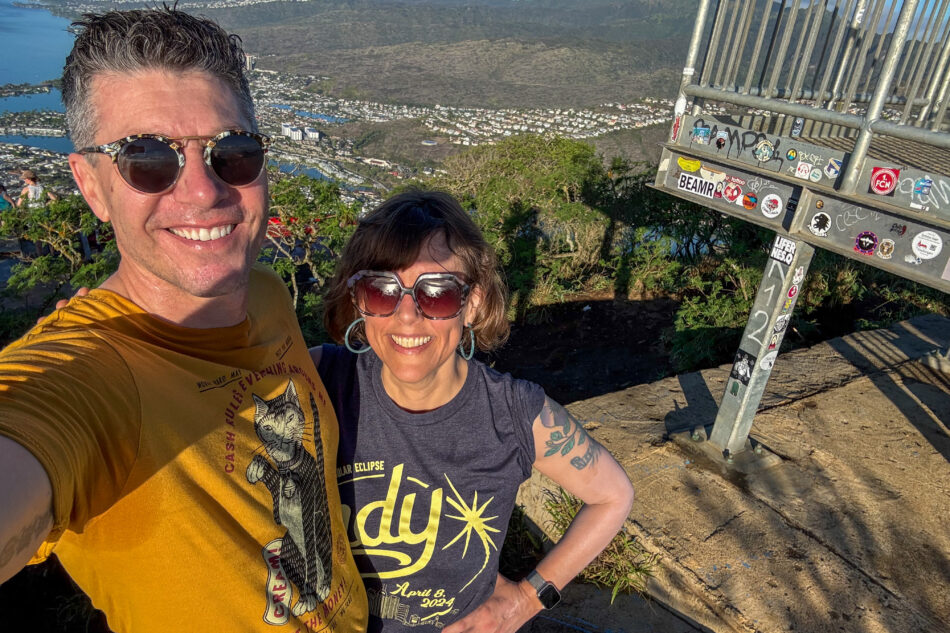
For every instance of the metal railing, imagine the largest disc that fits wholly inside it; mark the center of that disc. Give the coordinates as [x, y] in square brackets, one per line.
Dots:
[838, 62]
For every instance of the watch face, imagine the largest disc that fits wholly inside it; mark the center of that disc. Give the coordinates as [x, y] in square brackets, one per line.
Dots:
[549, 595]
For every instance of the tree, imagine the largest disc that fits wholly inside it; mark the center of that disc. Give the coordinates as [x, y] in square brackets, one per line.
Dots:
[57, 240]
[310, 223]
[527, 194]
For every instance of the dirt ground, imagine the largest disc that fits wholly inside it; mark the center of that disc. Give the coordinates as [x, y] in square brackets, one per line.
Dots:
[586, 348]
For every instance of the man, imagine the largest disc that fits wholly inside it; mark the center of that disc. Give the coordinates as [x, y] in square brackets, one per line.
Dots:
[167, 435]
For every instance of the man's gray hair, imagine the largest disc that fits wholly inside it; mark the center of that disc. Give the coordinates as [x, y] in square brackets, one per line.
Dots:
[126, 42]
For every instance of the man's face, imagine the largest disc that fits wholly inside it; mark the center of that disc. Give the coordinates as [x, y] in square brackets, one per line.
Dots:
[199, 238]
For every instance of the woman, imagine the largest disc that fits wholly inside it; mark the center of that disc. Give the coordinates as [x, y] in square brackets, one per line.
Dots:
[6, 202]
[434, 444]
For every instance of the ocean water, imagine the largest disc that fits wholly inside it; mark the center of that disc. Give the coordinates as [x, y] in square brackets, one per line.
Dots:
[33, 44]
[44, 101]
[33, 47]
[60, 144]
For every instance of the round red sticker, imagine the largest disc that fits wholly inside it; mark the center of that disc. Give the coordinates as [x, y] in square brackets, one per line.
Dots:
[884, 180]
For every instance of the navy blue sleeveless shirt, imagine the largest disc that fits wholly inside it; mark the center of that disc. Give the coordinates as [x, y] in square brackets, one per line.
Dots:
[427, 496]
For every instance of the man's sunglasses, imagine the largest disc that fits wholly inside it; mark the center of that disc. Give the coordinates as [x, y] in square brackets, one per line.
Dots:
[436, 295]
[151, 163]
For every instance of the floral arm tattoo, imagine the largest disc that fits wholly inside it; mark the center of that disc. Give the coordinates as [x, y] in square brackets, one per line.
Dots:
[567, 434]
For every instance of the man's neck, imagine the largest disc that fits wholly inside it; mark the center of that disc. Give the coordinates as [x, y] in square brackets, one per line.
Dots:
[178, 307]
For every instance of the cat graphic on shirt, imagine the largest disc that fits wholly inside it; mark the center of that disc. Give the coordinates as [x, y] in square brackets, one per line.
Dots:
[296, 482]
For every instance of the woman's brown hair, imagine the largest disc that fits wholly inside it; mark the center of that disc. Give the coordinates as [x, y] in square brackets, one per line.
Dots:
[390, 238]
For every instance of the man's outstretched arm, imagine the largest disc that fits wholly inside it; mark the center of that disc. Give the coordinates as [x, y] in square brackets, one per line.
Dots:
[26, 515]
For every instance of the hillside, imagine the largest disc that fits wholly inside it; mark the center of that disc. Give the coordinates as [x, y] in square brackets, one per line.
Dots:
[489, 54]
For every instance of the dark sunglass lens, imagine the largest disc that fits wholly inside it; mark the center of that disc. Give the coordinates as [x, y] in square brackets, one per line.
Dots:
[439, 298]
[377, 295]
[148, 164]
[237, 159]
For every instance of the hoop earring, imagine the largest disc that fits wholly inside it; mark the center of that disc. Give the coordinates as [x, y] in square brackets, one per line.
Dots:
[471, 352]
[346, 338]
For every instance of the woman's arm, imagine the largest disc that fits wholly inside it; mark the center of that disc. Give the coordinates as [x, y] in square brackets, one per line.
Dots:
[584, 468]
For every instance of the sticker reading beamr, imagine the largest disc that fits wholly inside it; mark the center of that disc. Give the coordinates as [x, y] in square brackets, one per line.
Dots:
[705, 188]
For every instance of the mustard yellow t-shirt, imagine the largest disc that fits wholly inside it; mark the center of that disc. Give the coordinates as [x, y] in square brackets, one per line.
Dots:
[188, 491]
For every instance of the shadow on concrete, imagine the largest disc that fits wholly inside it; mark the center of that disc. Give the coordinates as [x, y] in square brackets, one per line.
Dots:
[923, 407]
[701, 407]
[847, 533]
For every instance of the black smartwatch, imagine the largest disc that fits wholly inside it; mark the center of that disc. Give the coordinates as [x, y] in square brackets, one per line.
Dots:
[547, 593]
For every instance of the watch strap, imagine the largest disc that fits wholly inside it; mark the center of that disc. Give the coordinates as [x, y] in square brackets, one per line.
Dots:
[548, 594]
[535, 580]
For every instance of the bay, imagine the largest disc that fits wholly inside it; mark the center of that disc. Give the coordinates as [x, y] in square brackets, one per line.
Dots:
[23, 103]
[33, 44]
[59, 144]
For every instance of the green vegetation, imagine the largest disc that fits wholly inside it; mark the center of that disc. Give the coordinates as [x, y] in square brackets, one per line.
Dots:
[624, 566]
[55, 257]
[564, 225]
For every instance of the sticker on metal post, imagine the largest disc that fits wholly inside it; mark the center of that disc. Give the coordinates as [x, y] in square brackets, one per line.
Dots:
[721, 137]
[922, 186]
[768, 361]
[833, 168]
[696, 185]
[884, 180]
[701, 135]
[781, 323]
[803, 170]
[865, 243]
[764, 151]
[731, 192]
[900, 229]
[927, 244]
[799, 275]
[797, 127]
[885, 249]
[783, 250]
[742, 367]
[820, 224]
[687, 164]
[771, 206]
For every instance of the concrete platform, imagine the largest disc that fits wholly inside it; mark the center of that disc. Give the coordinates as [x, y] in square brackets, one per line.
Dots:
[843, 528]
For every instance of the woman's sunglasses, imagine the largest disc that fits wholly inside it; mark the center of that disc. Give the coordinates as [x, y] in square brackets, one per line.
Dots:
[151, 163]
[436, 295]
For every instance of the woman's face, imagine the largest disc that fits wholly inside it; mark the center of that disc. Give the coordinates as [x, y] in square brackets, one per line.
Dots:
[419, 353]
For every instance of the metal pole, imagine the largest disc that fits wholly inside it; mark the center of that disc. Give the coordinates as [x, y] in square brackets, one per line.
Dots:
[861, 59]
[768, 54]
[714, 38]
[924, 64]
[692, 54]
[747, 12]
[880, 46]
[728, 52]
[936, 76]
[845, 64]
[813, 26]
[849, 181]
[941, 106]
[757, 48]
[771, 311]
[911, 52]
[833, 55]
